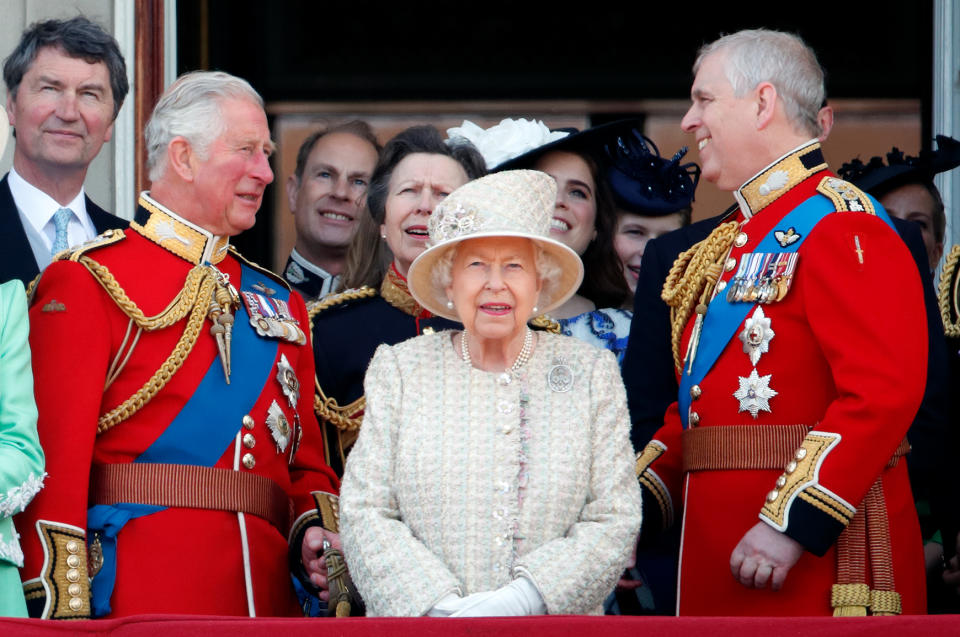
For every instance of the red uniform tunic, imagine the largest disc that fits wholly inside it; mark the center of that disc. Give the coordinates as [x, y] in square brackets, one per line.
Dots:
[178, 560]
[847, 359]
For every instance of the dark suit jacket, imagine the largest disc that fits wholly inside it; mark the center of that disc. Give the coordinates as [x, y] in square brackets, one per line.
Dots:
[16, 257]
[650, 379]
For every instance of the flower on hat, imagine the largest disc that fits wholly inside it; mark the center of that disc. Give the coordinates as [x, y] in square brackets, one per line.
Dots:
[508, 139]
[449, 224]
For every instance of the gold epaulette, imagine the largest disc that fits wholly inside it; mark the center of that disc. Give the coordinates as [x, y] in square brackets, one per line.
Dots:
[545, 324]
[947, 293]
[319, 305]
[259, 268]
[345, 418]
[845, 196]
[107, 238]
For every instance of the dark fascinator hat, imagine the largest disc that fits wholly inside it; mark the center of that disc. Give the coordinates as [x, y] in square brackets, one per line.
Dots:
[644, 182]
[878, 178]
[518, 143]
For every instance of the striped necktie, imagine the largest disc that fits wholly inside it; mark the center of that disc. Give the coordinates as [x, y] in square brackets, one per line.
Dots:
[61, 219]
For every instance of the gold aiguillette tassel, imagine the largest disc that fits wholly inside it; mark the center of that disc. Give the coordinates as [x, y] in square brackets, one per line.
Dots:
[226, 321]
[226, 297]
[219, 332]
[695, 337]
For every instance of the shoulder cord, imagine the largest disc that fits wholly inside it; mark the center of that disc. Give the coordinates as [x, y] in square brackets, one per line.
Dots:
[947, 294]
[201, 283]
[692, 278]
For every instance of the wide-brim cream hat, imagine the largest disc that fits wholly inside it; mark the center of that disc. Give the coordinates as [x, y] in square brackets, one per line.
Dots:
[512, 203]
[4, 130]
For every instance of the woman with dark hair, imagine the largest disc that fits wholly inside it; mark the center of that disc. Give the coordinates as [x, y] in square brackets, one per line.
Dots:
[416, 171]
[583, 217]
[613, 194]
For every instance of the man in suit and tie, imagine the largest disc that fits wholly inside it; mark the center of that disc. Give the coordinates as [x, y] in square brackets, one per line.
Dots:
[66, 81]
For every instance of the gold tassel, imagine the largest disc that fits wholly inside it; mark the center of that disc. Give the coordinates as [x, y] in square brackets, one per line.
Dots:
[885, 603]
[850, 600]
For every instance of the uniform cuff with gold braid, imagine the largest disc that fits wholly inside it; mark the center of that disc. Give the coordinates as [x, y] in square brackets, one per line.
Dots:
[63, 589]
[802, 508]
[657, 503]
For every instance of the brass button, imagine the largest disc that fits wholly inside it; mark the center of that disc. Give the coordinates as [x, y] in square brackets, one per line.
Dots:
[781, 482]
[741, 240]
[694, 419]
[74, 590]
[791, 467]
[73, 575]
[248, 422]
[73, 561]
[249, 441]
[249, 461]
[801, 454]
[73, 546]
[75, 603]
[695, 392]
[773, 495]
[730, 264]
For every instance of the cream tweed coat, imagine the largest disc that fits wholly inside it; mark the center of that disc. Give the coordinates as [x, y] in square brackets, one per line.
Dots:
[462, 479]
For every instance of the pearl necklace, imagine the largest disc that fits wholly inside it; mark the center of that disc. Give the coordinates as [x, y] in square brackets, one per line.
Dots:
[522, 357]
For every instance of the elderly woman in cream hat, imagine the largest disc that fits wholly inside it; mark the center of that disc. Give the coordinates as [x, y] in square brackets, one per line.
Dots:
[21, 458]
[493, 474]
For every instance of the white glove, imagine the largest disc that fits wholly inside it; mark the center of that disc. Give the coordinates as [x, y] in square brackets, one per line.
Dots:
[519, 597]
[451, 603]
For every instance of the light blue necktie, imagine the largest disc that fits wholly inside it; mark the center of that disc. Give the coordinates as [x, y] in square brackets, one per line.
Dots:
[61, 219]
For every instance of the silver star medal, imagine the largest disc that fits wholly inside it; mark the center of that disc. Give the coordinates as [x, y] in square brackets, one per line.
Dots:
[754, 393]
[279, 426]
[288, 380]
[756, 335]
[560, 376]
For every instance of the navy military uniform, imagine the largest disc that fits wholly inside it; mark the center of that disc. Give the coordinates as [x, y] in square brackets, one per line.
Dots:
[347, 329]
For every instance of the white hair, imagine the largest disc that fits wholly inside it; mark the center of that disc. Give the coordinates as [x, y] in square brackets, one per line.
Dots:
[190, 108]
[548, 271]
[784, 60]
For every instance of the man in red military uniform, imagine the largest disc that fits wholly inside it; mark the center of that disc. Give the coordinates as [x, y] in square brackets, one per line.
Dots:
[800, 342]
[173, 380]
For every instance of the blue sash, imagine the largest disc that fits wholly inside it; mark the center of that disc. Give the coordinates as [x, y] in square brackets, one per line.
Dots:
[200, 433]
[723, 318]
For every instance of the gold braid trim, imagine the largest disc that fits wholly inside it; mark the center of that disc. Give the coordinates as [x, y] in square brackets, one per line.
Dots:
[200, 284]
[169, 367]
[185, 300]
[947, 294]
[315, 307]
[343, 418]
[692, 278]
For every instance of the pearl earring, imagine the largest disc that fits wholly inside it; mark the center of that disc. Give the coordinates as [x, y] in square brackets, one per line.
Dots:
[536, 309]
[449, 304]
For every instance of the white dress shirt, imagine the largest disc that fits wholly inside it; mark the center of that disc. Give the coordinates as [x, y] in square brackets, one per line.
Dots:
[36, 210]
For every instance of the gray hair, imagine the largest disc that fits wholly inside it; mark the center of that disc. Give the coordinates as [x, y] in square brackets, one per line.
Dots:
[784, 60]
[548, 270]
[78, 37]
[190, 108]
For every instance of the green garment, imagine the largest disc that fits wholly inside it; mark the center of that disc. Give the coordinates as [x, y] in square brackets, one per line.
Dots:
[21, 458]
